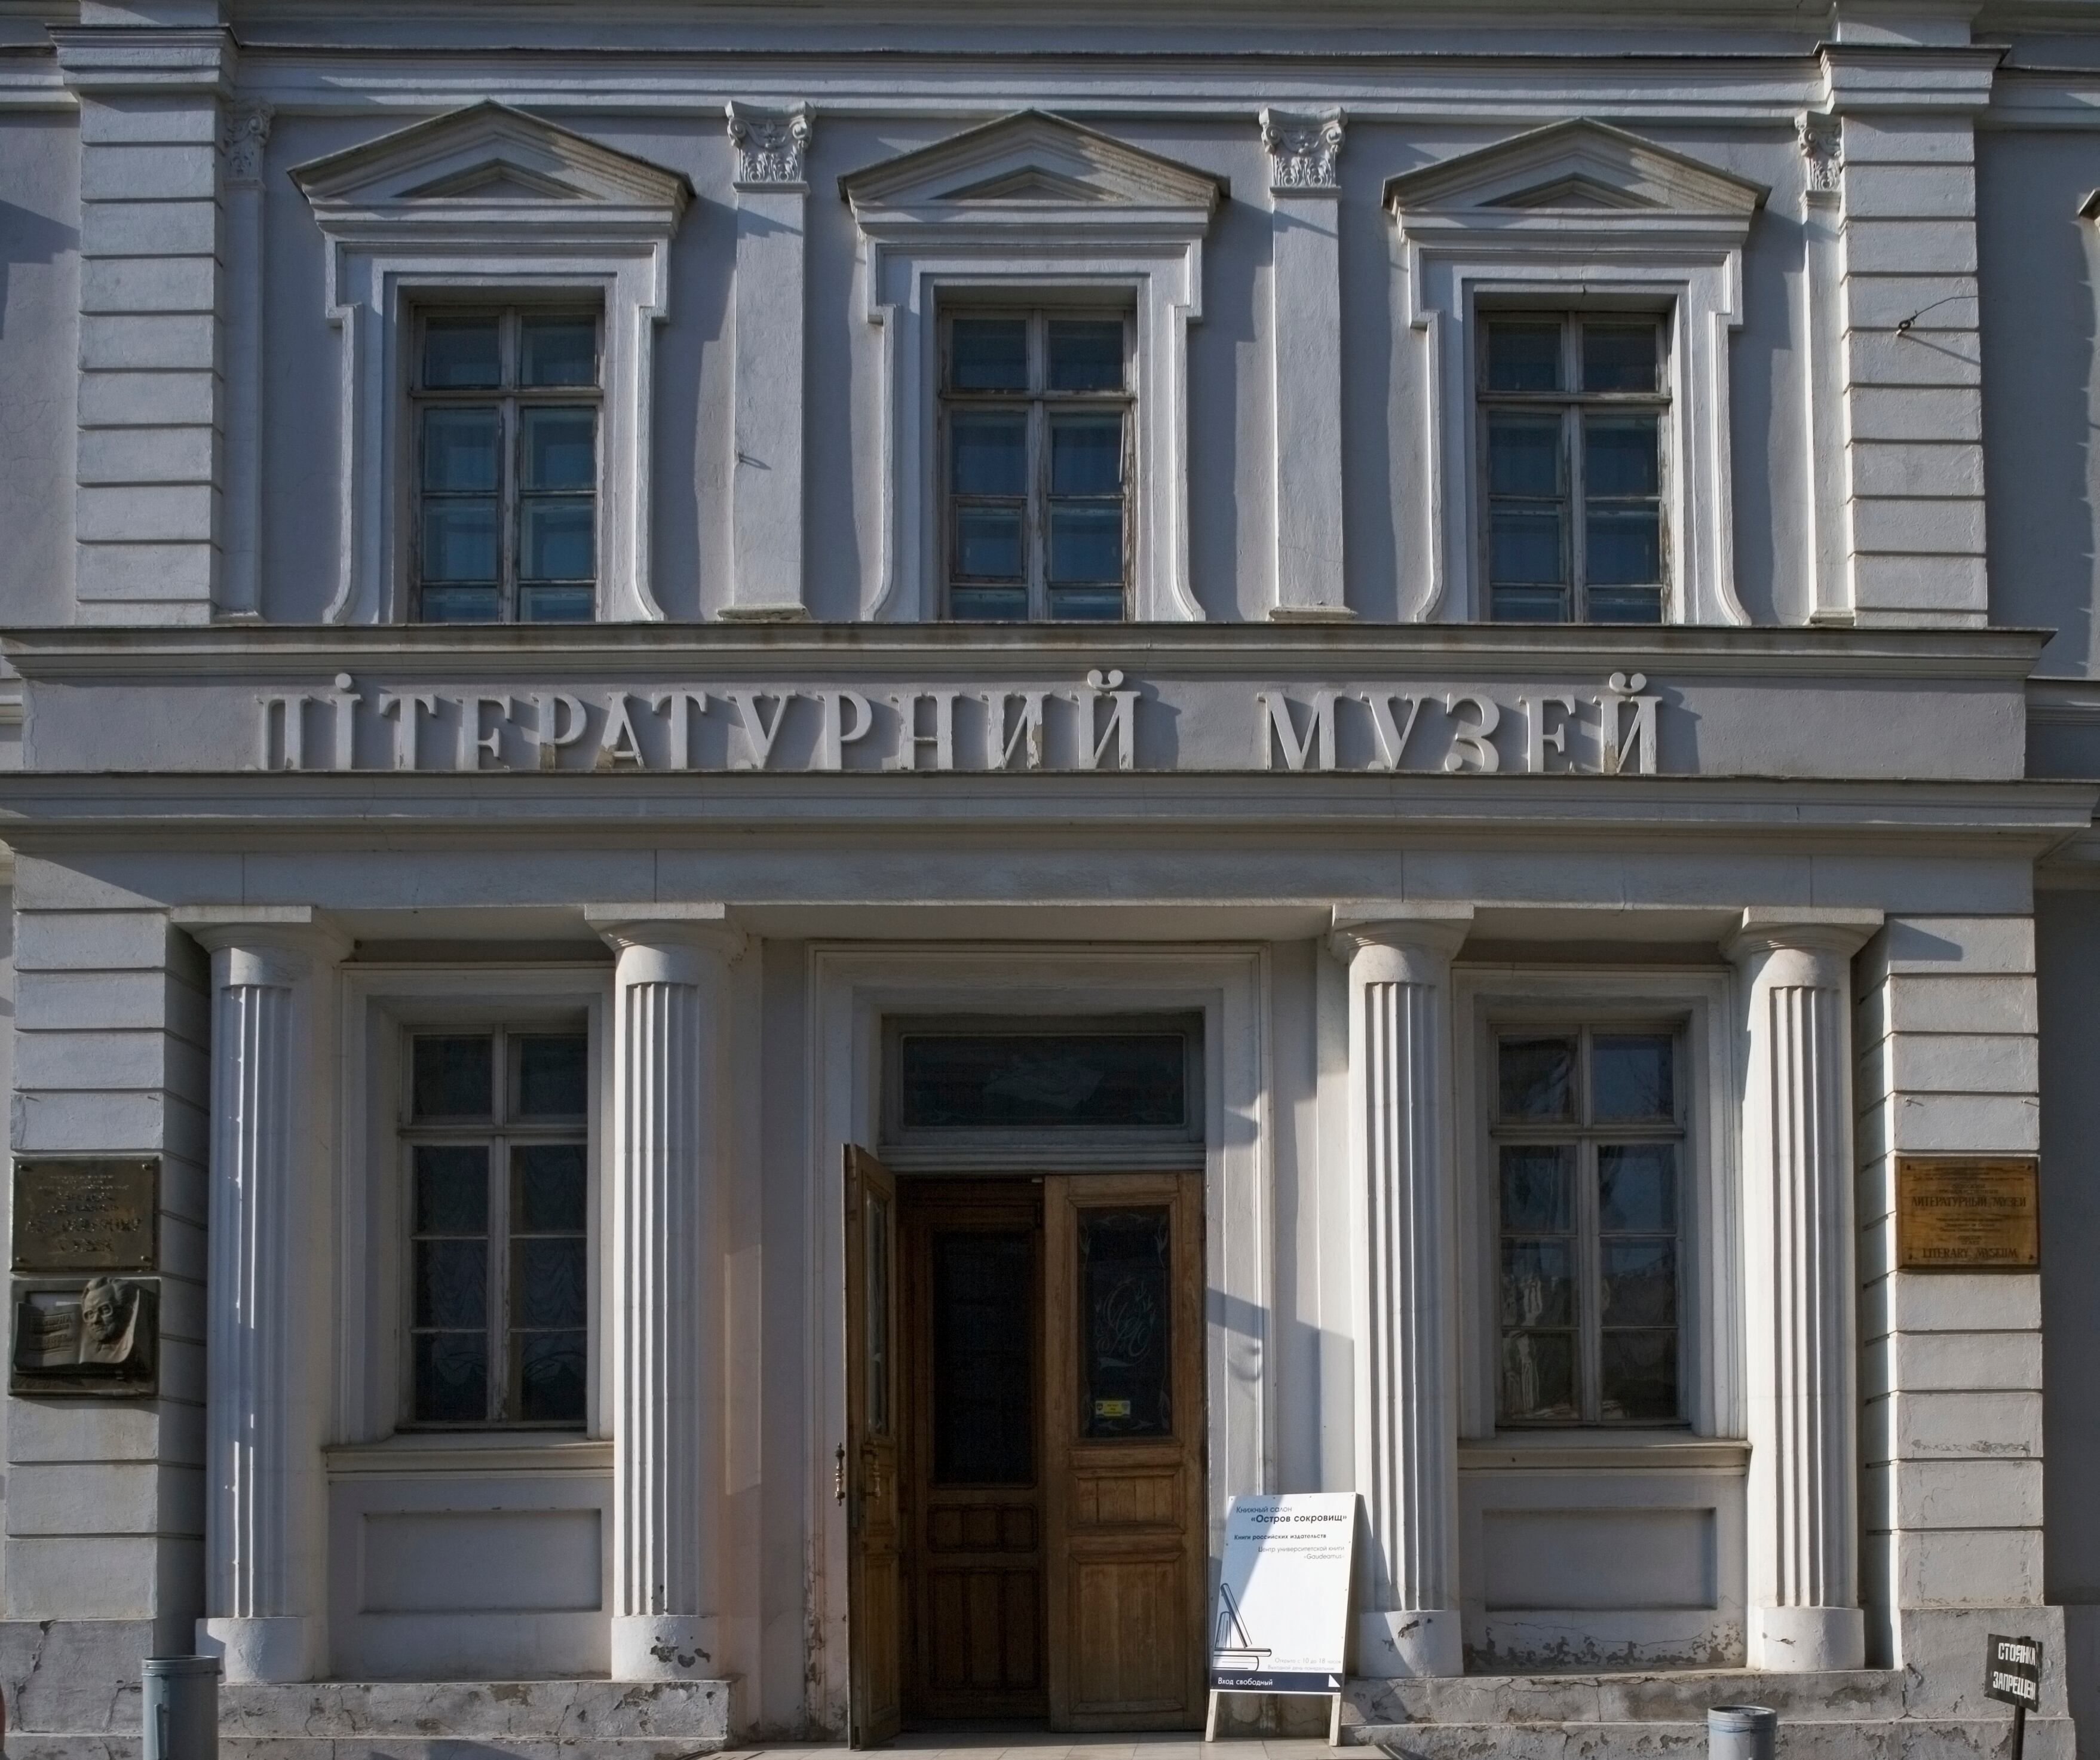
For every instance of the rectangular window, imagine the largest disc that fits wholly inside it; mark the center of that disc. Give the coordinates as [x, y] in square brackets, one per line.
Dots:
[497, 1146]
[503, 410]
[1036, 420]
[1589, 1140]
[1571, 425]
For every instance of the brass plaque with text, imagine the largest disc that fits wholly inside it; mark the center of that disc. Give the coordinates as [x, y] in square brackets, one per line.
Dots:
[86, 1215]
[1962, 1213]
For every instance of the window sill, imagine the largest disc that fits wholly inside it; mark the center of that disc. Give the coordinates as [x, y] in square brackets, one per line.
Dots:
[1602, 1451]
[432, 1454]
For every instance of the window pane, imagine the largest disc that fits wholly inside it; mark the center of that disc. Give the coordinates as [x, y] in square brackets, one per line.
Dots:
[559, 538]
[1624, 604]
[877, 1248]
[1086, 541]
[459, 450]
[1631, 1075]
[988, 353]
[1637, 1283]
[1524, 357]
[1637, 1186]
[461, 351]
[1086, 604]
[1538, 1188]
[550, 1188]
[1086, 354]
[988, 541]
[1086, 455]
[1539, 1375]
[988, 452]
[1530, 605]
[1618, 357]
[459, 541]
[1620, 454]
[547, 1285]
[984, 1377]
[1125, 1380]
[452, 1377]
[551, 1373]
[1538, 1284]
[452, 1188]
[542, 604]
[1624, 545]
[1008, 1081]
[1526, 544]
[988, 604]
[1640, 1377]
[557, 351]
[451, 1077]
[1538, 1078]
[459, 605]
[560, 448]
[551, 1081]
[1524, 454]
[452, 1283]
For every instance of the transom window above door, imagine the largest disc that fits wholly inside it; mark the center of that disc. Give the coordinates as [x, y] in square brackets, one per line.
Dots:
[504, 414]
[1572, 410]
[1036, 418]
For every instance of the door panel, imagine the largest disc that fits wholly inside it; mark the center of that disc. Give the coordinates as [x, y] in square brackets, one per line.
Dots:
[973, 1344]
[874, 1530]
[1124, 1450]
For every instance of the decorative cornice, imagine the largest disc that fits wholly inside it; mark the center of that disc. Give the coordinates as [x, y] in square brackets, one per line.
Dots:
[771, 145]
[111, 60]
[243, 133]
[1822, 142]
[1304, 151]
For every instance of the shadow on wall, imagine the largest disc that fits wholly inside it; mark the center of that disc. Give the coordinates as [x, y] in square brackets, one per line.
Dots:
[29, 237]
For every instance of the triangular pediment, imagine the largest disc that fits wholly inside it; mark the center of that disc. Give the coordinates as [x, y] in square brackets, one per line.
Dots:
[1035, 159]
[1578, 167]
[487, 156]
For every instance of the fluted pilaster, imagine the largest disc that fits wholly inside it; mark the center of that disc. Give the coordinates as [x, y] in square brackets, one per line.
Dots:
[1407, 1391]
[1801, 1332]
[669, 1055]
[265, 1515]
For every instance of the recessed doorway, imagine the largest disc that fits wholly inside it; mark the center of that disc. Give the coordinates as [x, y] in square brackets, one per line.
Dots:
[1025, 1461]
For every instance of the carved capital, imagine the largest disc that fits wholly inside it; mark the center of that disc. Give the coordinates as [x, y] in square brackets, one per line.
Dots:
[243, 133]
[770, 144]
[1304, 151]
[1823, 148]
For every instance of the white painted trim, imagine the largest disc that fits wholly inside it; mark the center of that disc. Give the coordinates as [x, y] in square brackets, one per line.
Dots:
[851, 987]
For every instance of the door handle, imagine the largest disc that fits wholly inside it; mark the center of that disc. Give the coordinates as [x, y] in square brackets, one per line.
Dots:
[839, 1475]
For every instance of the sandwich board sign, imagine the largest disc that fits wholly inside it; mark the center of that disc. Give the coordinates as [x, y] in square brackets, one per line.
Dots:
[1282, 1623]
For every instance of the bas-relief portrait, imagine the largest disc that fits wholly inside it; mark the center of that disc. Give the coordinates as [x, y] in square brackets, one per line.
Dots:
[94, 1338]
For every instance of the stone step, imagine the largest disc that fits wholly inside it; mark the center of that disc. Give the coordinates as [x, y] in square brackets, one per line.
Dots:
[1672, 1696]
[673, 1717]
[1852, 1738]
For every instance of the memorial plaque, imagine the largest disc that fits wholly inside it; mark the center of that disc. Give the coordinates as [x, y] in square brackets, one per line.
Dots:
[100, 1337]
[86, 1215]
[1958, 1213]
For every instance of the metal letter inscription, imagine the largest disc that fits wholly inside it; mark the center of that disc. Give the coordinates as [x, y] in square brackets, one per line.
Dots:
[86, 1215]
[1967, 1214]
[99, 1337]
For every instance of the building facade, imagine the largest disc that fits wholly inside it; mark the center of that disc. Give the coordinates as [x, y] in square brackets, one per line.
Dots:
[814, 813]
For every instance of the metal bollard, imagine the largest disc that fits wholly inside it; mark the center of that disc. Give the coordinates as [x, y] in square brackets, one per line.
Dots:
[1735, 1732]
[182, 1708]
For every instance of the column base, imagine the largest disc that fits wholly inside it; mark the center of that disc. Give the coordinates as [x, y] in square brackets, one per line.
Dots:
[1406, 1643]
[285, 1647]
[662, 1647]
[1807, 1640]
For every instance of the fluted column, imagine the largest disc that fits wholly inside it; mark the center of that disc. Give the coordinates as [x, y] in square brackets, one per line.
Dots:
[1801, 1336]
[266, 1559]
[669, 1060]
[1407, 1377]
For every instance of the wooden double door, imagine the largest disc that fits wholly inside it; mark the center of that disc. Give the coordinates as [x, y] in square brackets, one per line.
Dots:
[1025, 1436]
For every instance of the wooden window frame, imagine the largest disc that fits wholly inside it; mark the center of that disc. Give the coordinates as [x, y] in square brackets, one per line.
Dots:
[1571, 405]
[507, 396]
[1586, 1135]
[499, 1132]
[1039, 401]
